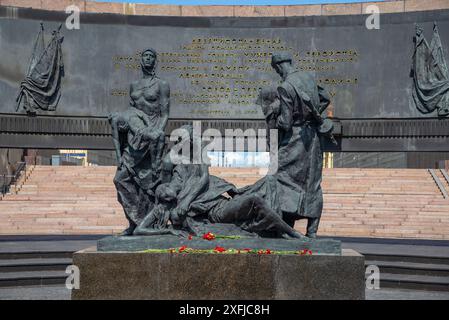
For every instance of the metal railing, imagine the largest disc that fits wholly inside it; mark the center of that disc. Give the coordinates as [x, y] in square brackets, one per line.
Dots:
[439, 183]
[9, 179]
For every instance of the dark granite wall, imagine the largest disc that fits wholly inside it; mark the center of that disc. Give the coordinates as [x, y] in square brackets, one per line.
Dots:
[97, 78]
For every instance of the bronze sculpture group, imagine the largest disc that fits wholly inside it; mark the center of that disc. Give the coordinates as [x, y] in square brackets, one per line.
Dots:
[162, 196]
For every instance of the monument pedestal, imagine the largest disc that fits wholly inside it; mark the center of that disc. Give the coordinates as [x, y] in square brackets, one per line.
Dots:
[140, 275]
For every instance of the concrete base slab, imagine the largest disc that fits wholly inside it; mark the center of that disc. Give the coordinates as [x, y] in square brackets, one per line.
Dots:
[138, 275]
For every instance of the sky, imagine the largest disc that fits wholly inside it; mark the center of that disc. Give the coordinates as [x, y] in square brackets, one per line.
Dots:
[236, 2]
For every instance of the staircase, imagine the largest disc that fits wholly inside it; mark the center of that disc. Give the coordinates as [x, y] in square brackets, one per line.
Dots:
[395, 203]
[406, 273]
[30, 270]
[443, 177]
[64, 200]
[407, 264]
[38, 261]
[379, 203]
[404, 264]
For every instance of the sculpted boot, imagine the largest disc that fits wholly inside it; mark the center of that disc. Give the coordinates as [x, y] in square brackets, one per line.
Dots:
[312, 227]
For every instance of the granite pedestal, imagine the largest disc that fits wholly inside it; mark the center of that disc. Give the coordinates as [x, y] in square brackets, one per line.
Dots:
[140, 243]
[139, 275]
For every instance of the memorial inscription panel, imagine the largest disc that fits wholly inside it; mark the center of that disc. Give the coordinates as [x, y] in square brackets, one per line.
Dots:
[222, 77]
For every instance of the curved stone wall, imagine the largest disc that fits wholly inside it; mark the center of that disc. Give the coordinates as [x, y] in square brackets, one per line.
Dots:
[216, 65]
[216, 59]
[231, 11]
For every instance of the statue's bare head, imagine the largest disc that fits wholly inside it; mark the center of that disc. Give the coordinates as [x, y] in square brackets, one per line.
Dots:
[148, 61]
[165, 194]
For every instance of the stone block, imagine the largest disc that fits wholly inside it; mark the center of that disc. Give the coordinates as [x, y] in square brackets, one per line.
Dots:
[61, 5]
[341, 9]
[207, 11]
[105, 7]
[419, 5]
[157, 10]
[22, 3]
[137, 275]
[306, 10]
[385, 7]
[259, 11]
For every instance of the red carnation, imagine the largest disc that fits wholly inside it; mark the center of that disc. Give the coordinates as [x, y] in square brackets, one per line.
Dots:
[190, 237]
[209, 236]
[183, 248]
[219, 249]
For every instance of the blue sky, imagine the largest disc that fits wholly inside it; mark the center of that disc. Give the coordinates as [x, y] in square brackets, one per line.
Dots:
[236, 2]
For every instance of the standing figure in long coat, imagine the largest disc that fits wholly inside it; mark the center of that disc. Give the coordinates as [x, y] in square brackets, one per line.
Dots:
[295, 189]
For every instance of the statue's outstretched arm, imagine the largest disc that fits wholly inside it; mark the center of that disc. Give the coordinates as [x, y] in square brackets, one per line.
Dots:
[146, 224]
[157, 232]
[145, 228]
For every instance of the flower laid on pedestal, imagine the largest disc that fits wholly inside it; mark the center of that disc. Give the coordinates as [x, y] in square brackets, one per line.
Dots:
[219, 249]
[209, 236]
[184, 249]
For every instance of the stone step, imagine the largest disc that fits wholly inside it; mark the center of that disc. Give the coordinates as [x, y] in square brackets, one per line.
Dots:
[401, 267]
[363, 202]
[34, 264]
[416, 282]
[6, 254]
[32, 278]
[422, 256]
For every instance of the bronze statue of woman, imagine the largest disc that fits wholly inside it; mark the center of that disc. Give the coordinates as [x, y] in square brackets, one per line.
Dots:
[152, 95]
[139, 140]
